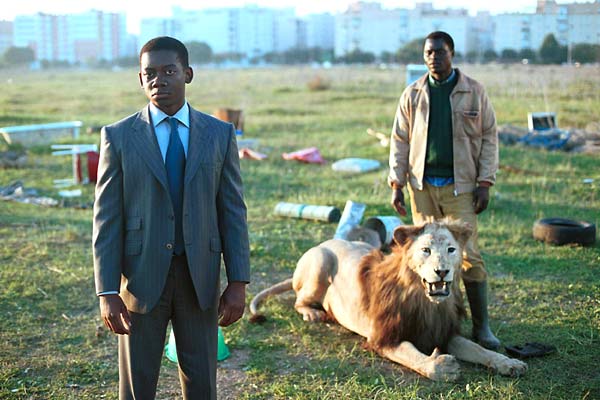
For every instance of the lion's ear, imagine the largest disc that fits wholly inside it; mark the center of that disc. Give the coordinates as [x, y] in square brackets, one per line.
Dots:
[462, 231]
[405, 232]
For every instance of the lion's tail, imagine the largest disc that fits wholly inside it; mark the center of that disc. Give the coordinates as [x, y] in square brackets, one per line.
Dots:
[276, 289]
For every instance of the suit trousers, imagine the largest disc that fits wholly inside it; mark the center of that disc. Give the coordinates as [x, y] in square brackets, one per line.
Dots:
[141, 351]
[440, 202]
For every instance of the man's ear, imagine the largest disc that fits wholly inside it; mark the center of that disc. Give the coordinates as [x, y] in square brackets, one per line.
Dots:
[189, 75]
[141, 81]
[404, 233]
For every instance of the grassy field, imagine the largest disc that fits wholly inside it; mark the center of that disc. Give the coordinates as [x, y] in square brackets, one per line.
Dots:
[54, 345]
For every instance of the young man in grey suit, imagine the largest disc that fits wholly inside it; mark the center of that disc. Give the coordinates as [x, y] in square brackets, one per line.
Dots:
[168, 204]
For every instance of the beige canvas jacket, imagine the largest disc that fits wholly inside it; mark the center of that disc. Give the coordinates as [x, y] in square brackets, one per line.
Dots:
[475, 138]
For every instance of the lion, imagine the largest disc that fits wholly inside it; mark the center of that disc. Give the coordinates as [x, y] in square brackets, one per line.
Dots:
[407, 304]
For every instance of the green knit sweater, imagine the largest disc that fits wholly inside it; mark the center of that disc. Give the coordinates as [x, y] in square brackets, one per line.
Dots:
[439, 158]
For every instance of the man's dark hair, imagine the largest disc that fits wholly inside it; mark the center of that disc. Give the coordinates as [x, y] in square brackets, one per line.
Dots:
[442, 36]
[167, 43]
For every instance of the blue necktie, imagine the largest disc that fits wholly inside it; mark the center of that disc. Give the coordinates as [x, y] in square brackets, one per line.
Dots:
[175, 164]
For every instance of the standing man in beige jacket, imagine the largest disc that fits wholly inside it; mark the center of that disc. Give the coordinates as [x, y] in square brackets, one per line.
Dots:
[445, 146]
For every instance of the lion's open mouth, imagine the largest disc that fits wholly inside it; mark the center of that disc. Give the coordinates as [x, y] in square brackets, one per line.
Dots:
[440, 288]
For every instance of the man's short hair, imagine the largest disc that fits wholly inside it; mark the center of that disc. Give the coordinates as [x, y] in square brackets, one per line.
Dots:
[167, 43]
[442, 36]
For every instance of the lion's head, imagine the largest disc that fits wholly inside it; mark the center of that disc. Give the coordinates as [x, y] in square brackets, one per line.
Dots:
[413, 294]
[434, 253]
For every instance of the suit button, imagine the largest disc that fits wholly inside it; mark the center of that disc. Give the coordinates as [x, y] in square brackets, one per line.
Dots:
[169, 246]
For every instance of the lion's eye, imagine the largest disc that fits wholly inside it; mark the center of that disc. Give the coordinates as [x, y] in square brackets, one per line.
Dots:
[426, 250]
[451, 250]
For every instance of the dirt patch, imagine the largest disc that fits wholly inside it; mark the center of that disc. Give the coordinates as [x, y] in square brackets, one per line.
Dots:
[231, 378]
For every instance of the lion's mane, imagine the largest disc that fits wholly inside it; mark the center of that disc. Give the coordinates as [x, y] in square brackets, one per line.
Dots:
[394, 298]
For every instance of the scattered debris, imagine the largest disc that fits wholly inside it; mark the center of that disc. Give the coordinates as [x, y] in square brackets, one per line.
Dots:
[307, 211]
[13, 159]
[251, 154]
[37, 134]
[70, 193]
[236, 117]
[16, 191]
[75, 151]
[308, 155]
[93, 129]
[355, 165]
[585, 141]
[384, 139]
[351, 216]
[318, 83]
[247, 143]
[384, 225]
[362, 234]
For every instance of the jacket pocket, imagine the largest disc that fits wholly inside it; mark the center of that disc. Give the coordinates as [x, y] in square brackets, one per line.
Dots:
[215, 244]
[471, 122]
[133, 247]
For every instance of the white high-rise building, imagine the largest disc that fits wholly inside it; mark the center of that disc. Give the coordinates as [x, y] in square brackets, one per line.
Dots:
[570, 24]
[154, 27]
[370, 28]
[424, 19]
[6, 35]
[251, 30]
[84, 37]
[319, 31]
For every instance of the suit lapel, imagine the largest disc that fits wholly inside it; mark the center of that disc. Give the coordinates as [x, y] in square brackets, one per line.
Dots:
[197, 145]
[144, 139]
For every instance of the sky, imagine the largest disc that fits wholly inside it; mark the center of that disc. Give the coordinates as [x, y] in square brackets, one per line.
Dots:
[138, 9]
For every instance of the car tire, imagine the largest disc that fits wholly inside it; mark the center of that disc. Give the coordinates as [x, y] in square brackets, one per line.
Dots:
[559, 231]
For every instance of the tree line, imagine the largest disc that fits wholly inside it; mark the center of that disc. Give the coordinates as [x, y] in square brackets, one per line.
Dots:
[550, 52]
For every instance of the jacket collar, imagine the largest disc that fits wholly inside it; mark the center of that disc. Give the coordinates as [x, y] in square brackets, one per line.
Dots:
[143, 138]
[461, 85]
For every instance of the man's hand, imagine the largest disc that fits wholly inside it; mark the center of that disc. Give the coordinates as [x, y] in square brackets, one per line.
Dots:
[232, 303]
[481, 198]
[398, 201]
[114, 314]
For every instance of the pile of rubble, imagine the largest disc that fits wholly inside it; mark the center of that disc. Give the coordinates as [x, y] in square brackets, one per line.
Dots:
[586, 141]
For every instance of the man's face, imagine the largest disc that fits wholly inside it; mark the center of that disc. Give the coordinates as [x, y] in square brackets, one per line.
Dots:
[163, 79]
[438, 58]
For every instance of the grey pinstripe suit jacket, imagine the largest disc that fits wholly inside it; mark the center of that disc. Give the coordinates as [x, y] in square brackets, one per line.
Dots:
[133, 227]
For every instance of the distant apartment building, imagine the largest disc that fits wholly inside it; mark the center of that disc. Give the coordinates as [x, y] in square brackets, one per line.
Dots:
[6, 35]
[252, 31]
[319, 31]
[85, 37]
[424, 19]
[569, 23]
[154, 27]
[369, 27]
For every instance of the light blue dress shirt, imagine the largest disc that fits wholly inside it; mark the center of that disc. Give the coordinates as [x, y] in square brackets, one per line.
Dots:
[163, 130]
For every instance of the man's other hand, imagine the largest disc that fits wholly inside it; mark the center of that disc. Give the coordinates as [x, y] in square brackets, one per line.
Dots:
[481, 198]
[232, 303]
[114, 314]
[398, 201]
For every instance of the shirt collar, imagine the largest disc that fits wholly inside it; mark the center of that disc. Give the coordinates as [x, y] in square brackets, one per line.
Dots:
[450, 78]
[182, 115]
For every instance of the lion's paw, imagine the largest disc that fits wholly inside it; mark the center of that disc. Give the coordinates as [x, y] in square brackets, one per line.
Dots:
[511, 367]
[312, 315]
[442, 367]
